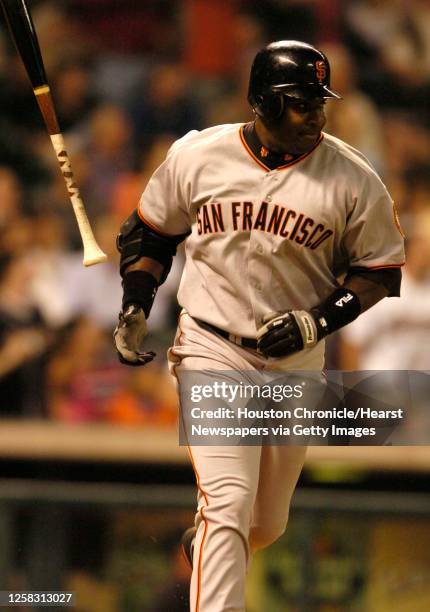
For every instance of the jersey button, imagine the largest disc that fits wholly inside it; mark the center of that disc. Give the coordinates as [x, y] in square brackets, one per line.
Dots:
[269, 198]
[259, 248]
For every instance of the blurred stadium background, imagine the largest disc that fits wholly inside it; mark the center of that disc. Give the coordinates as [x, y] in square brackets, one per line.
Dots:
[94, 490]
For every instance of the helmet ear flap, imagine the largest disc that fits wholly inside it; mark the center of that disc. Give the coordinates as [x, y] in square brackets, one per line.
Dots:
[269, 106]
[257, 103]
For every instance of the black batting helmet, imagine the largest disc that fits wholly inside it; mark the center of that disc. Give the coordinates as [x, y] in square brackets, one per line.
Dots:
[287, 68]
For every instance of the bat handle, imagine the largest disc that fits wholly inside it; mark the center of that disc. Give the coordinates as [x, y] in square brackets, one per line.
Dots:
[92, 252]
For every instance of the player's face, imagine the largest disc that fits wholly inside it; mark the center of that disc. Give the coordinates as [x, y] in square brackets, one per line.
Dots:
[301, 125]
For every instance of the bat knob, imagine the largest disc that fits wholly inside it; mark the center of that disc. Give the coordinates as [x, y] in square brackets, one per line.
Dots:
[94, 257]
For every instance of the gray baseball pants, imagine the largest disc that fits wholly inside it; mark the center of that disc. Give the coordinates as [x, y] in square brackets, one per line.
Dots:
[244, 492]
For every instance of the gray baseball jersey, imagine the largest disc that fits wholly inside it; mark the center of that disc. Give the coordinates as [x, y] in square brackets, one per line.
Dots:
[268, 240]
[261, 240]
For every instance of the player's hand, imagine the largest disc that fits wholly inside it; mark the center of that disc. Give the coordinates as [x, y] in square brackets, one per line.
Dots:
[129, 335]
[286, 333]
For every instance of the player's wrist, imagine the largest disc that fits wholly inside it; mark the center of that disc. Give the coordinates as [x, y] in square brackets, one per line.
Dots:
[140, 288]
[337, 310]
[307, 327]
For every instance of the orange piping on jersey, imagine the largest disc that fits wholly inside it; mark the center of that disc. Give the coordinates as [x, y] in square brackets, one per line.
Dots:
[302, 157]
[202, 514]
[254, 157]
[383, 266]
[181, 314]
[397, 221]
[294, 161]
[151, 225]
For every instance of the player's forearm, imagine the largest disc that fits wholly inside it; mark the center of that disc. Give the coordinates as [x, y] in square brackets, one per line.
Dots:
[147, 264]
[346, 303]
[368, 292]
[140, 283]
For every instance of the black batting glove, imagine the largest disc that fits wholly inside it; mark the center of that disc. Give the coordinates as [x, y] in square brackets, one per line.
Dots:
[284, 334]
[129, 335]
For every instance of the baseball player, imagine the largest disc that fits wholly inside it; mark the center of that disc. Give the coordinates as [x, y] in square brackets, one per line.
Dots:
[273, 214]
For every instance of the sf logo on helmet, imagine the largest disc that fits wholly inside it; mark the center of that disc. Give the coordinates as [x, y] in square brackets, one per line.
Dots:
[321, 70]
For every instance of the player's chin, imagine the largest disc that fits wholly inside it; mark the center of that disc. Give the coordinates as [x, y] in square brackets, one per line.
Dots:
[306, 142]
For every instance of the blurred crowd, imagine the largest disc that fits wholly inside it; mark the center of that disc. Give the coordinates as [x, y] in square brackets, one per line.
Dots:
[128, 79]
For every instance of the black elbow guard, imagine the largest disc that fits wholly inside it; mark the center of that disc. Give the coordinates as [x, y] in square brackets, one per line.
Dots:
[136, 240]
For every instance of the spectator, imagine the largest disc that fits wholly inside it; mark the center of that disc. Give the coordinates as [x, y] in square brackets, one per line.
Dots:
[407, 144]
[74, 91]
[395, 335]
[15, 225]
[417, 179]
[129, 186]
[50, 281]
[106, 144]
[128, 27]
[20, 121]
[147, 397]
[165, 105]
[356, 120]
[231, 106]
[83, 372]
[392, 38]
[95, 292]
[23, 342]
[60, 34]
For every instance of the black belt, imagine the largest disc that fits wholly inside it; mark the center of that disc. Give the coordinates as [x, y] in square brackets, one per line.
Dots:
[250, 343]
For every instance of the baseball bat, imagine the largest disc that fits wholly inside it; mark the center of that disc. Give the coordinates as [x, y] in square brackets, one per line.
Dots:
[24, 36]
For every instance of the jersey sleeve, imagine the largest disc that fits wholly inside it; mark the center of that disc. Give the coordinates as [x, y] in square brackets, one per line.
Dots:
[373, 237]
[163, 204]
